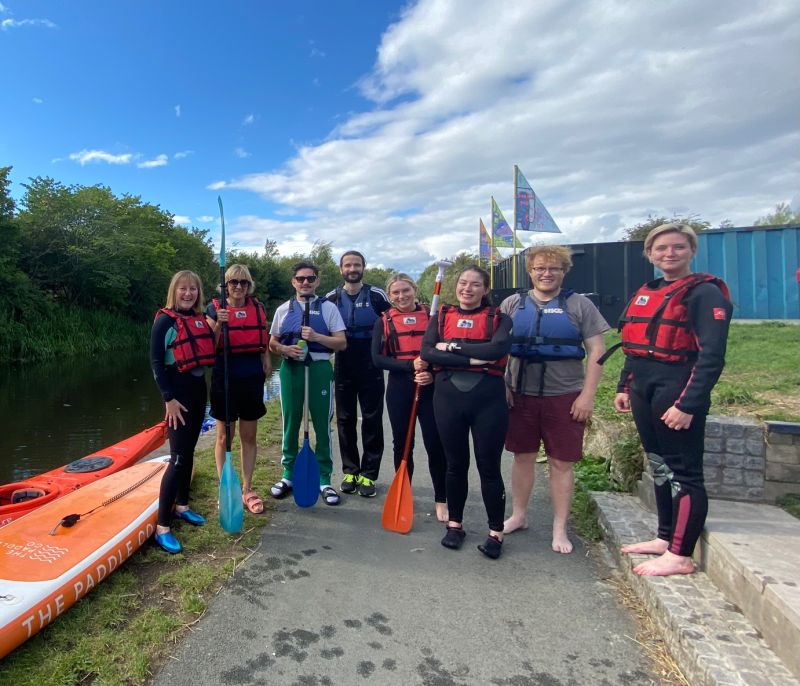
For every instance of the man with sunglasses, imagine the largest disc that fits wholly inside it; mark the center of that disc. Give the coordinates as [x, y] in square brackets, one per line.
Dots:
[323, 336]
[549, 395]
[358, 380]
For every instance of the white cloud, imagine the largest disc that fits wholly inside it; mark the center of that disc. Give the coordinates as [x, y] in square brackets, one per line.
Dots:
[177, 111]
[249, 119]
[315, 51]
[88, 156]
[241, 153]
[182, 220]
[38, 101]
[205, 219]
[15, 24]
[3, 8]
[183, 153]
[612, 110]
[158, 161]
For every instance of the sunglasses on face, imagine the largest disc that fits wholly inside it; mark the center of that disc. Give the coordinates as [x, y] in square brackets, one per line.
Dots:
[305, 279]
[244, 283]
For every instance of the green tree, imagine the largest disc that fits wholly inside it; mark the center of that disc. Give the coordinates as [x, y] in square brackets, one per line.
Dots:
[783, 214]
[427, 279]
[639, 231]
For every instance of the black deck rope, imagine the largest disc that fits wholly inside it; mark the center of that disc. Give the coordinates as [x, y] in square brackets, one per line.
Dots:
[72, 519]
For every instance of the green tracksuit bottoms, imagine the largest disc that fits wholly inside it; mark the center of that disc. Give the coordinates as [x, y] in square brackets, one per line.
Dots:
[320, 409]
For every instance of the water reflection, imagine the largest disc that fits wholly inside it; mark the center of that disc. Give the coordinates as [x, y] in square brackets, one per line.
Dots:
[56, 412]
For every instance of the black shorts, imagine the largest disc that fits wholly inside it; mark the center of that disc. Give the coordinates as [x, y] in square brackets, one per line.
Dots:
[245, 397]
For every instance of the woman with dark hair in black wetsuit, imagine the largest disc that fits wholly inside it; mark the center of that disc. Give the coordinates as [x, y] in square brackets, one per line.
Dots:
[396, 341]
[674, 334]
[181, 346]
[468, 345]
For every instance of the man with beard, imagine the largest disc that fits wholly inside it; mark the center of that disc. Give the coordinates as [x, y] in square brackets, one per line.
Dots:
[356, 379]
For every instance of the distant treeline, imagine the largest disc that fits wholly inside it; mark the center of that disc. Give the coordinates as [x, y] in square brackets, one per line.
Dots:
[82, 270]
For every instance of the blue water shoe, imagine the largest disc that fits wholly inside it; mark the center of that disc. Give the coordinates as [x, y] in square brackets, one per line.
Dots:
[191, 516]
[169, 543]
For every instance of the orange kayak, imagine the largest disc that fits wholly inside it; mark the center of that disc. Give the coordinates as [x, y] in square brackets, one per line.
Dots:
[46, 567]
[19, 498]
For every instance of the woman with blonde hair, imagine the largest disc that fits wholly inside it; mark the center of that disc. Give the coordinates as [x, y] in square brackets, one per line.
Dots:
[248, 366]
[181, 347]
[674, 334]
[396, 341]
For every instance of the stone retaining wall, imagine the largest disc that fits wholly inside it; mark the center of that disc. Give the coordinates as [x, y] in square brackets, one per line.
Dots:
[745, 459]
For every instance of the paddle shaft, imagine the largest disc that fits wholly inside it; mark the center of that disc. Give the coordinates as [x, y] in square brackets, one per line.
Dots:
[225, 338]
[307, 361]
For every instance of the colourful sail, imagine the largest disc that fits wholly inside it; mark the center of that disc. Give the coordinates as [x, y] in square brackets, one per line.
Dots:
[530, 213]
[488, 253]
[502, 235]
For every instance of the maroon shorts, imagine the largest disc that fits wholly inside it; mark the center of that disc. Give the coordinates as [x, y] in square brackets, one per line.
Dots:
[534, 419]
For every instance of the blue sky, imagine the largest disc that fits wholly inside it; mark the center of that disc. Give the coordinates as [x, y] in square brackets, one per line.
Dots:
[387, 126]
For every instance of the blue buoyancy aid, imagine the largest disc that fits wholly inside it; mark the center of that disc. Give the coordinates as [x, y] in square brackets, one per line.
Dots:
[541, 334]
[290, 326]
[359, 315]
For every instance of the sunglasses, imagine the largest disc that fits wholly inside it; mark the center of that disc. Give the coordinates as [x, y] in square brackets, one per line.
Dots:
[244, 283]
[305, 279]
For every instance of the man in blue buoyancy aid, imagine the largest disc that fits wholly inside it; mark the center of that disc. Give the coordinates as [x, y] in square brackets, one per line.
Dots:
[357, 381]
[549, 394]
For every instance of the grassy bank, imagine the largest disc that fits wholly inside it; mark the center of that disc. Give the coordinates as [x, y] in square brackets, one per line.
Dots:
[119, 634]
[54, 332]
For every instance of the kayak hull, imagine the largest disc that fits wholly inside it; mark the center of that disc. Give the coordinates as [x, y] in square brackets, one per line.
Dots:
[20, 498]
[45, 567]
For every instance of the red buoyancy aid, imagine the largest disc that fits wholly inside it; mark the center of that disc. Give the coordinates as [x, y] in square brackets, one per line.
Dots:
[247, 330]
[194, 343]
[403, 332]
[656, 323]
[475, 326]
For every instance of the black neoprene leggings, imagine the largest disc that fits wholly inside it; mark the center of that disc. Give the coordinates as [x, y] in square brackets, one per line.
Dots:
[676, 457]
[399, 398]
[481, 411]
[190, 391]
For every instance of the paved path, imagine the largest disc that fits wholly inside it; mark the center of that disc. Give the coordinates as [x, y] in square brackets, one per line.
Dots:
[331, 598]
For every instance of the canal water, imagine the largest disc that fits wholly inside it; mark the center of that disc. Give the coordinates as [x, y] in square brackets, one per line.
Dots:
[56, 412]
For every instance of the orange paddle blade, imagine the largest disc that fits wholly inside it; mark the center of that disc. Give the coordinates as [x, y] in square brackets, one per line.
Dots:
[398, 508]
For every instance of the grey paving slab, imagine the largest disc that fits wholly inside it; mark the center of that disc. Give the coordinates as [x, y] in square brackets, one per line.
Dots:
[709, 636]
[330, 598]
[752, 553]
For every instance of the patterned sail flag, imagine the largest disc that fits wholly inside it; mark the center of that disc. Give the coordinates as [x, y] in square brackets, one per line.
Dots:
[530, 213]
[502, 235]
[488, 253]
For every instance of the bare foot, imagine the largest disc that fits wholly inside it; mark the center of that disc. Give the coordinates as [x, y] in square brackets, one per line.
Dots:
[441, 512]
[513, 523]
[666, 565]
[561, 543]
[658, 546]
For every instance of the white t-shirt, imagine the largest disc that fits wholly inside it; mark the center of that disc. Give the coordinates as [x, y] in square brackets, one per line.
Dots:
[330, 313]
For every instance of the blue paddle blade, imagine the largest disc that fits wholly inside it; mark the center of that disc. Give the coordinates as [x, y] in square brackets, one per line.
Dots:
[305, 478]
[231, 512]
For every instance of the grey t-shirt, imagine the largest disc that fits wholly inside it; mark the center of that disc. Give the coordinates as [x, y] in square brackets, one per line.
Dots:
[562, 376]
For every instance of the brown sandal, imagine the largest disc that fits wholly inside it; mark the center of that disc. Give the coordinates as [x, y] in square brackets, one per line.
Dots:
[252, 502]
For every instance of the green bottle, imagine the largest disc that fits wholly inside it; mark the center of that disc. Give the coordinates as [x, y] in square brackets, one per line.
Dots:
[304, 349]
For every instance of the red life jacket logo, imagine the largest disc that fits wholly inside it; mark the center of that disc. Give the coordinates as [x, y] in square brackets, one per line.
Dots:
[240, 314]
[409, 320]
[719, 313]
[464, 324]
[642, 300]
[198, 324]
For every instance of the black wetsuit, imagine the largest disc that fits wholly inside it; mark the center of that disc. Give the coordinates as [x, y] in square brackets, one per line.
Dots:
[399, 399]
[676, 456]
[189, 388]
[468, 402]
